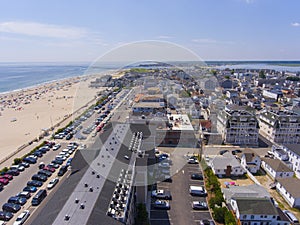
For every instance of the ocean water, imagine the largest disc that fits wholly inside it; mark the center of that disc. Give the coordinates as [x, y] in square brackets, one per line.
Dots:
[15, 76]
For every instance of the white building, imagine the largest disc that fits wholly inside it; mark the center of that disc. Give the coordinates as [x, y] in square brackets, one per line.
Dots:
[238, 127]
[276, 168]
[289, 190]
[257, 211]
[293, 151]
[251, 161]
[281, 127]
[226, 166]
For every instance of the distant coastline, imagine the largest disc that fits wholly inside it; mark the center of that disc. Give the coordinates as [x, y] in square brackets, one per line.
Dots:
[18, 76]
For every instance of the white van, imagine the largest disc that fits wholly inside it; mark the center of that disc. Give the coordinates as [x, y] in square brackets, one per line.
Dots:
[198, 191]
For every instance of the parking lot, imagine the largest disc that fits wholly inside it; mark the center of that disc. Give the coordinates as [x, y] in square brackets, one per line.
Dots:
[181, 211]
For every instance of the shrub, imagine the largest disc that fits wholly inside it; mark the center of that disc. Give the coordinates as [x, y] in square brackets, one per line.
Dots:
[219, 214]
[17, 161]
[229, 218]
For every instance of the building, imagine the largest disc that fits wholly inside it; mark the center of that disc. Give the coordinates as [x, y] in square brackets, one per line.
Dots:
[178, 131]
[249, 191]
[255, 211]
[293, 152]
[275, 94]
[146, 108]
[276, 168]
[281, 127]
[251, 162]
[102, 186]
[226, 166]
[238, 127]
[289, 190]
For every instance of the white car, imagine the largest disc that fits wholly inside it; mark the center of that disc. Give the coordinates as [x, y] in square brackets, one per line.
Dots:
[55, 147]
[22, 217]
[52, 183]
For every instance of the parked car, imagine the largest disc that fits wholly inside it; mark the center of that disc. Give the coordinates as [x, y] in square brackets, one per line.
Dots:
[222, 152]
[4, 181]
[193, 161]
[57, 161]
[6, 216]
[11, 207]
[30, 160]
[56, 147]
[13, 172]
[30, 189]
[234, 152]
[7, 176]
[17, 167]
[25, 164]
[39, 177]
[62, 170]
[24, 194]
[52, 183]
[206, 222]
[199, 205]
[17, 200]
[22, 217]
[198, 191]
[35, 183]
[39, 197]
[162, 204]
[196, 176]
[45, 173]
[48, 168]
[53, 165]
[161, 194]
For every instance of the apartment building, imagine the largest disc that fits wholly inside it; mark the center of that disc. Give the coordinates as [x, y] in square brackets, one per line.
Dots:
[238, 127]
[279, 126]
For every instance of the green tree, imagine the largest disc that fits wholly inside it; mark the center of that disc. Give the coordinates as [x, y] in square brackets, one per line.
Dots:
[219, 214]
[17, 161]
[262, 74]
[229, 218]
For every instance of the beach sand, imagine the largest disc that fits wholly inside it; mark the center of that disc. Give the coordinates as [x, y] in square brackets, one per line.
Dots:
[25, 114]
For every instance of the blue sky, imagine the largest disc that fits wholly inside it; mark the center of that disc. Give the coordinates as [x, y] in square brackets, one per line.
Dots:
[35, 30]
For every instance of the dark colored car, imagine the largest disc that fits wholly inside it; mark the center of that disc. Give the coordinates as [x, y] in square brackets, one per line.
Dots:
[197, 176]
[11, 207]
[38, 153]
[45, 173]
[30, 160]
[53, 165]
[13, 172]
[234, 152]
[6, 216]
[17, 200]
[57, 161]
[35, 183]
[222, 152]
[39, 177]
[69, 136]
[30, 189]
[62, 170]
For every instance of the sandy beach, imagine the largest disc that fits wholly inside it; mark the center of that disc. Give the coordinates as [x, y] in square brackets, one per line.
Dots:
[25, 114]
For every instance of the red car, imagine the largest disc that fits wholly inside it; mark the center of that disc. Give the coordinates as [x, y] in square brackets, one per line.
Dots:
[7, 176]
[4, 181]
[51, 169]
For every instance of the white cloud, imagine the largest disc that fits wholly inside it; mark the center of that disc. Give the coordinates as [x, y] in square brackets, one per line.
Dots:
[210, 41]
[164, 37]
[296, 24]
[42, 30]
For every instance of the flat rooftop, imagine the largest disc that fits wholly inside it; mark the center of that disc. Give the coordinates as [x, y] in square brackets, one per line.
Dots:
[180, 122]
[99, 167]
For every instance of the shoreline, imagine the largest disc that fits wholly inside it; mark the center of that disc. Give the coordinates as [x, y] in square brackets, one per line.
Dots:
[25, 114]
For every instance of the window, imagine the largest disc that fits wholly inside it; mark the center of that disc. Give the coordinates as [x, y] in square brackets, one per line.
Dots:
[252, 217]
[244, 216]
